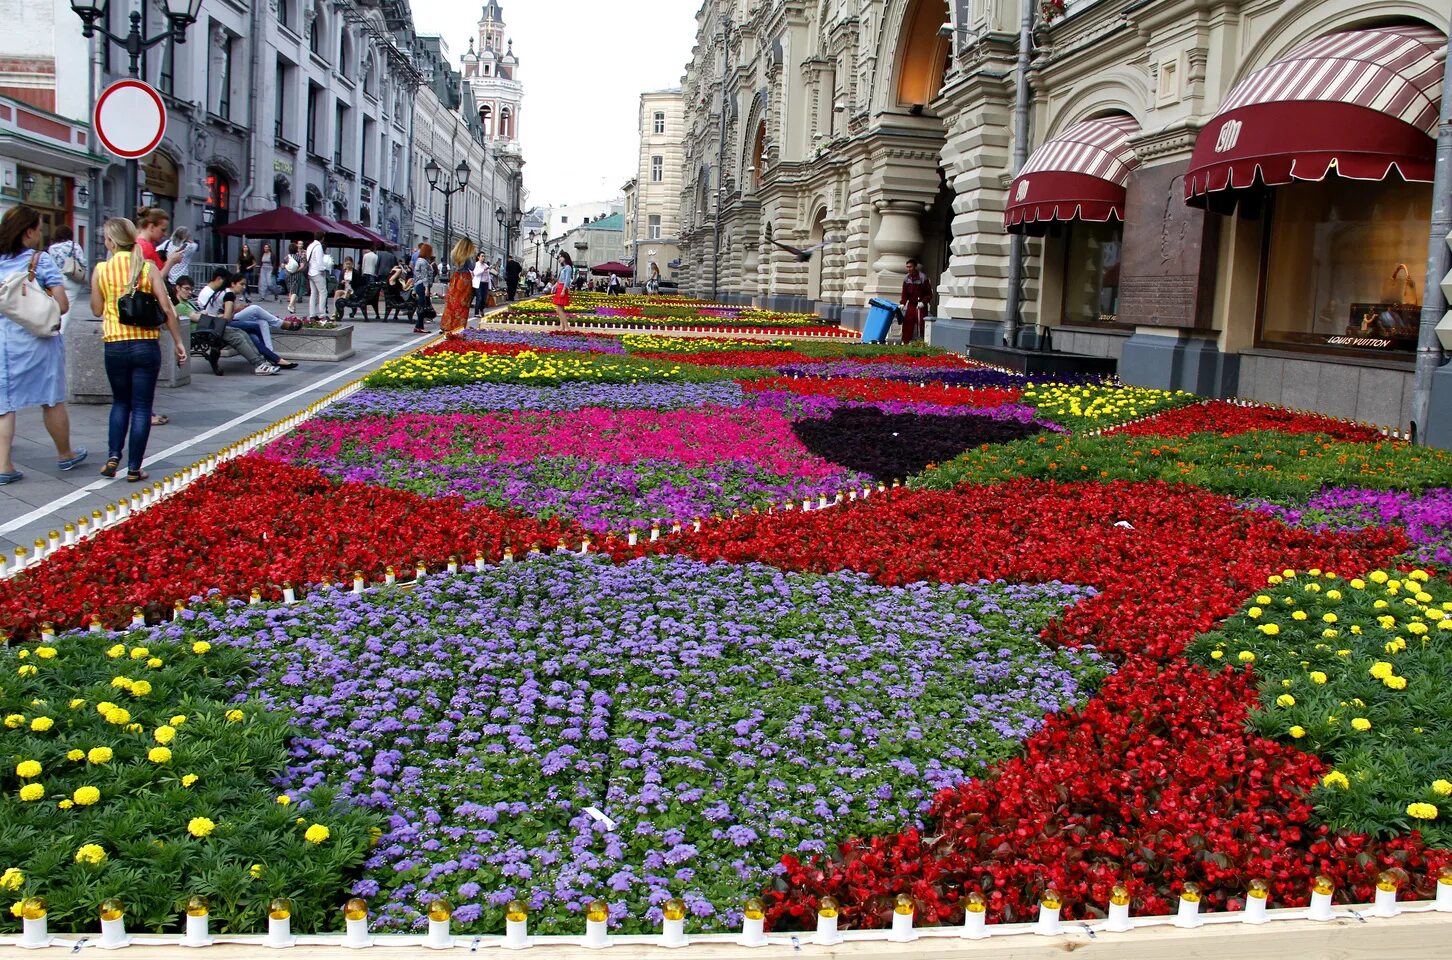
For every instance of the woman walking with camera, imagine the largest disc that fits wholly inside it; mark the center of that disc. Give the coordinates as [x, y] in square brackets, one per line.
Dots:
[130, 330]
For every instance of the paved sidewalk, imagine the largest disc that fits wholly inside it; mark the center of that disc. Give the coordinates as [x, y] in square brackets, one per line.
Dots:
[207, 415]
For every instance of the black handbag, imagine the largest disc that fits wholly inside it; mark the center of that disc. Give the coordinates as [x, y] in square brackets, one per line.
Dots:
[136, 308]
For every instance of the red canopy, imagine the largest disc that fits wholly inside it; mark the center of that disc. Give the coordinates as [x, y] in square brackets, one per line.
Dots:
[370, 234]
[1359, 103]
[1078, 175]
[340, 234]
[282, 222]
[615, 267]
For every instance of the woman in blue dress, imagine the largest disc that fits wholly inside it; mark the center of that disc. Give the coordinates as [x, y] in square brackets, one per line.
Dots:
[32, 369]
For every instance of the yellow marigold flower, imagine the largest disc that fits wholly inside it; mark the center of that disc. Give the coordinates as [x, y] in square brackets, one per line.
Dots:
[1297, 732]
[154, 663]
[119, 716]
[283, 799]
[1356, 629]
[1424, 598]
[32, 791]
[1262, 599]
[17, 909]
[66, 804]
[189, 779]
[12, 879]
[91, 853]
[256, 871]
[1288, 574]
[1422, 811]
[105, 707]
[1329, 617]
[201, 646]
[317, 833]
[29, 670]
[165, 734]
[45, 653]
[1318, 677]
[178, 720]
[99, 755]
[1269, 629]
[122, 683]
[15, 721]
[1358, 584]
[75, 756]
[200, 827]
[86, 796]
[41, 724]
[1417, 628]
[1298, 615]
[140, 688]
[1395, 683]
[159, 755]
[1381, 669]
[1273, 579]
[1333, 594]
[140, 653]
[1379, 576]
[1442, 788]
[1254, 613]
[119, 650]
[1285, 700]
[1421, 576]
[235, 716]
[27, 769]
[1286, 683]
[1336, 779]
[77, 703]
[1245, 656]
[1360, 724]
[1217, 654]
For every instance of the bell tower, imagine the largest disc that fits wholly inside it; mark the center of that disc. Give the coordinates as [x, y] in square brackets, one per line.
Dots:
[492, 71]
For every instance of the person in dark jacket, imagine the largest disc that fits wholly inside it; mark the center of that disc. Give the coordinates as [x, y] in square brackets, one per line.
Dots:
[512, 270]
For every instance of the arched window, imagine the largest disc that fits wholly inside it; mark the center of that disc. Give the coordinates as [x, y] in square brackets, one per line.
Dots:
[486, 120]
[506, 124]
[345, 54]
[924, 56]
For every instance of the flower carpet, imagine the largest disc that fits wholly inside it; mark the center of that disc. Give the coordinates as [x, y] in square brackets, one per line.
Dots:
[556, 616]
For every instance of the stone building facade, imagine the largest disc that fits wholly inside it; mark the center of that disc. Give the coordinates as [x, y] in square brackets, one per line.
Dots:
[887, 127]
[653, 196]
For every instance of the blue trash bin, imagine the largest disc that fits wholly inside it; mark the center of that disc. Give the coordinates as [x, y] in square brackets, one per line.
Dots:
[880, 314]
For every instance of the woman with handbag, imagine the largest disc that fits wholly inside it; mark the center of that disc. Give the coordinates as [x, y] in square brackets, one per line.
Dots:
[460, 291]
[561, 298]
[66, 254]
[129, 294]
[32, 363]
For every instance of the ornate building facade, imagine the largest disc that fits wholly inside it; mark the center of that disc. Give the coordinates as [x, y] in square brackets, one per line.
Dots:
[885, 127]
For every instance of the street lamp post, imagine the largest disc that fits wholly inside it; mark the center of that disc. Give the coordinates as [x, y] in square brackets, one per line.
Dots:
[180, 14]
[452, 185]
[534, 239]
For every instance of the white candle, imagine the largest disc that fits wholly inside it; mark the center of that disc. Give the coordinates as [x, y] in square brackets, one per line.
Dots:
[34, 934]
[1118, 920]
[753, 932]
[1255, 908]
[356, 937]
[438, 937]
[597, 935]
[197, 933]
[289, 595]
[826, 931]
[975, 925]
[902, 928]
[673, 933]
[516, 934]
[1386, 904]
[1188, 915]
[1320, 908]
[1048, 923]
[113, 934]
[279, 933]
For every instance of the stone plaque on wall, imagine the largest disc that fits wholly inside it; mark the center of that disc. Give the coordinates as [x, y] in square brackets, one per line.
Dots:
[1167, 276]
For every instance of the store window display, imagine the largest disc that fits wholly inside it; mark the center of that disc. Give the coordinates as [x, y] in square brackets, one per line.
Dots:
[1337, 266]
[1091, 271]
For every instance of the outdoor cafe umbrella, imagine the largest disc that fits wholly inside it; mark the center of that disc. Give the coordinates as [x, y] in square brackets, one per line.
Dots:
[615, 267]
[370, 234]
[341, 235]
[282, 222]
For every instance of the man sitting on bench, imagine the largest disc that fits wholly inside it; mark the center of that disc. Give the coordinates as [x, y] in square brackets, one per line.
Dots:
[218, 302]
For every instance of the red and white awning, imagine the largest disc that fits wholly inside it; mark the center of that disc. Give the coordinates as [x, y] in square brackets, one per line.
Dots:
[1360, 103]
[1078, 175]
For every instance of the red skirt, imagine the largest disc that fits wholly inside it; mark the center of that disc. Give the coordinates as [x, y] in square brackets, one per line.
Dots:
[562, 295]
[456, 302]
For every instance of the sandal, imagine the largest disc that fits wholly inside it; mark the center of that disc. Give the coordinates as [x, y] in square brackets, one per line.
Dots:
[137, 476]
[112, 465]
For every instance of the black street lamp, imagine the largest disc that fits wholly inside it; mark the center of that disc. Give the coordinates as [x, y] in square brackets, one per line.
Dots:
[535, 239]
[452, 185]
[180, 14]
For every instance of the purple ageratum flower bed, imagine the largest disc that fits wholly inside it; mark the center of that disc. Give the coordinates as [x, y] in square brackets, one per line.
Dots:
[803, 406]
[719, 715]
[1426, 517]
[978, 377]
[482, 397]
[554, 341]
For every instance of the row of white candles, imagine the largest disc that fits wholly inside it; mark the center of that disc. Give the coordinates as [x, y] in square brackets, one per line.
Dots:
[753, 924]
[145, 498]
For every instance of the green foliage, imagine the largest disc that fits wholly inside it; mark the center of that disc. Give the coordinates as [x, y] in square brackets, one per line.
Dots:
[1357, 672]
[1269, 464]
[217, 761]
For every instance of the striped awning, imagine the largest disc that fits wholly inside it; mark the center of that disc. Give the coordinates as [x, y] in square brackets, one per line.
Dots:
[1360, 104]
[1078, 175]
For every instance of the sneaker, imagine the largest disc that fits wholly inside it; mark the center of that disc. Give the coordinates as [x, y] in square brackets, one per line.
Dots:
[73, 462]
[267, 370]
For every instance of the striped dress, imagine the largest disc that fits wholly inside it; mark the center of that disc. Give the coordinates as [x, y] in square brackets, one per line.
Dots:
[113, 279]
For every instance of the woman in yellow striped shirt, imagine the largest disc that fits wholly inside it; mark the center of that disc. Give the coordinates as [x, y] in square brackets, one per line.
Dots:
[133, 354]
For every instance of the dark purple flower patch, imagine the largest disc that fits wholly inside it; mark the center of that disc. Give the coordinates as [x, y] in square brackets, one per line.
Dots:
[898, 445]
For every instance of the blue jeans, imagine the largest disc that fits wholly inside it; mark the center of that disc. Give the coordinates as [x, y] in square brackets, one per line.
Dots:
[132, 366]
[421, 291]
[258, 324]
